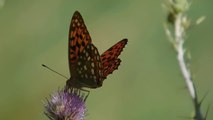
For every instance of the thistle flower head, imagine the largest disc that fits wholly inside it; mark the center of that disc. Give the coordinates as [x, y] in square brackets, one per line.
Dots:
[66, 105]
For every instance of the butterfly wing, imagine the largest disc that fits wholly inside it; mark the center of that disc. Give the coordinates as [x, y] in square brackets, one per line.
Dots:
[89, 67]
[78, 38]
[109, 58]
[84, 59]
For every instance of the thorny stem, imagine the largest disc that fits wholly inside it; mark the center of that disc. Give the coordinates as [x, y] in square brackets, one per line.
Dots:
[178, 21]
[179, 41]
[179, 33]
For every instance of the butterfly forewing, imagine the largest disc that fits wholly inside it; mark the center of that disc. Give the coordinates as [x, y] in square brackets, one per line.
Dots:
[78, 39]
[111, 66]
[110, 58]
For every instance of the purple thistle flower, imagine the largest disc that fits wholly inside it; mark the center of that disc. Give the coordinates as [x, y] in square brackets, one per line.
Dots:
[66, 105]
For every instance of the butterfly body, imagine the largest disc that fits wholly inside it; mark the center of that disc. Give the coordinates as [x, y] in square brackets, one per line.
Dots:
[87, 67]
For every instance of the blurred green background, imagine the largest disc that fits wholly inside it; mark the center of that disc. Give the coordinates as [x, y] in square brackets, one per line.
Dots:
[147, 86]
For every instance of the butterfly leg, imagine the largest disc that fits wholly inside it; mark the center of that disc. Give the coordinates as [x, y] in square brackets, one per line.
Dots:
[87, 91]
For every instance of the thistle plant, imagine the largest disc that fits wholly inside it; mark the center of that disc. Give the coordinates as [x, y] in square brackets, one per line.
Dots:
[176, 28]
[66, 105]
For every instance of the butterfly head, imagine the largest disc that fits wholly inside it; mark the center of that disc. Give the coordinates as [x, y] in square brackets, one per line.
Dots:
[79, 83]
[72, 83]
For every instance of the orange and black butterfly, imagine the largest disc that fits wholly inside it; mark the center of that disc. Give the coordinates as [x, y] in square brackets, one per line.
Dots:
[87, 67]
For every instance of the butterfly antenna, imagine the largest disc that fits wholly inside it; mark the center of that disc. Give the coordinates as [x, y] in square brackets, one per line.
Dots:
[54, 71]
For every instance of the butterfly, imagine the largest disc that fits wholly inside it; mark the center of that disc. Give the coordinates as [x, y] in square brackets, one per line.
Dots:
[87, 67]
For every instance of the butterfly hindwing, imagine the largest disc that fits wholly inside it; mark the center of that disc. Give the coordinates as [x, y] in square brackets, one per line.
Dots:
[110, 58]
[89, 67]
